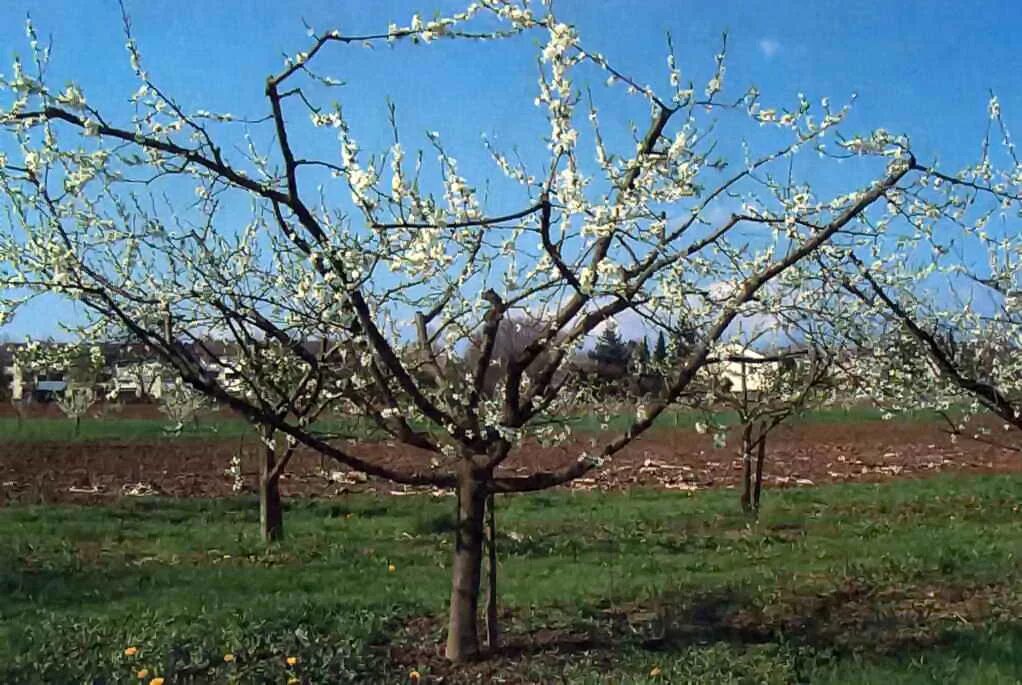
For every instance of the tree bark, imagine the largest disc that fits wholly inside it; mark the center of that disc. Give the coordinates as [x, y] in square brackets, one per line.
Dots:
[747, 468]
[492, 624]
[463, 627]
[760, 457]
[271, 513]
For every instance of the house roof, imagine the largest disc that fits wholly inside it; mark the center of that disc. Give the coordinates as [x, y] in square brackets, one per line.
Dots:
[51, 386]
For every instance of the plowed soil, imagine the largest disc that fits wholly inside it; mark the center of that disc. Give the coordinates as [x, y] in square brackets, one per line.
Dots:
[799, 455]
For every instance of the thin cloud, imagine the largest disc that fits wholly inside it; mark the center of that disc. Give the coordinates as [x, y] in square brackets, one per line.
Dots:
[769, 47]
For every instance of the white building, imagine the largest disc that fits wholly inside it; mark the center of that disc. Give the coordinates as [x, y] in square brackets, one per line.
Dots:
[142, 379]
[741, 369]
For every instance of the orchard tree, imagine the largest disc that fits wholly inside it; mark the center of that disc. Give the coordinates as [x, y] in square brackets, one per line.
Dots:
[79, 365]
[935, 312]
[181, 405]
[768, 391]
[75, 402]
[176, 223]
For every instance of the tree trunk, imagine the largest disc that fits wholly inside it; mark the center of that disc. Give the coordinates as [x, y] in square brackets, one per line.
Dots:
[271, 513]
[463, 628]
[747, 468]
[492, 625]
[760, 456]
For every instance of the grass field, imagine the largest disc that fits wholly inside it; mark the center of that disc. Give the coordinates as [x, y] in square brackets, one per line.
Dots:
[226, 427]
[905, 582]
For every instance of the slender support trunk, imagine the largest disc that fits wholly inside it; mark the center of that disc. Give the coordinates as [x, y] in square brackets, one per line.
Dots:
[747, 468]
[492, 625]
[78, 425]
[463, 627]
[760, 456]
[271, 513]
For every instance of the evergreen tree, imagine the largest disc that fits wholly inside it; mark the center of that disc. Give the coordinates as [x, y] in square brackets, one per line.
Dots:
[642, 353]
[660, 351]
[610, 348]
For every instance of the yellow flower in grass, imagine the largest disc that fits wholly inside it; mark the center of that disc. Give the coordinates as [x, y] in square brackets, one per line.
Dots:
[293, 681]
[655, 672]
[131, 651]
[391, 568]
[292, 660]
[415, 676]
[228, 658]
[143, 674]
[156, 681]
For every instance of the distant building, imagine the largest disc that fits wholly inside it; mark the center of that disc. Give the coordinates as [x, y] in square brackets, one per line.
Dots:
[19, 383]
[47, 391]
[126, 370]
[140, 378]
[741, 369]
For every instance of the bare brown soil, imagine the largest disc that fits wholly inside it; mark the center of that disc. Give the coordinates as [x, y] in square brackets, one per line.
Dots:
[801, 455]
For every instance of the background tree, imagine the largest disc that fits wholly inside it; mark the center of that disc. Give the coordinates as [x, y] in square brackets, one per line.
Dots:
[660, 350]
[642, 357]
[176, 222]
[75, 402]
[79, 367]
[610, 348]
[181, 405]
[770, 389]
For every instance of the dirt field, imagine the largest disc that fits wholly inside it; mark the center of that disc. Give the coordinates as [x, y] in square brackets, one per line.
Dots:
[800, 455]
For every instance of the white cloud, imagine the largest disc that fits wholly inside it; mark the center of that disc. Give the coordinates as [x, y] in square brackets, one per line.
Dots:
[769, 47]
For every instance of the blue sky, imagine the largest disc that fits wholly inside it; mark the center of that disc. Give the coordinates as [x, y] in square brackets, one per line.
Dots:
[921, 68]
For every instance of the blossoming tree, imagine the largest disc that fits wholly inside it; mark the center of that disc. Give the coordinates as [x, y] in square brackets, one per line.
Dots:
[937, 309]
[174, 224]
[767, 391]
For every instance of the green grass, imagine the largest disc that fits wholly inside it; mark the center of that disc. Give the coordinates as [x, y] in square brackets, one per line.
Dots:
[225, 427]
[115, 428]
[906, 582]
[687, 419]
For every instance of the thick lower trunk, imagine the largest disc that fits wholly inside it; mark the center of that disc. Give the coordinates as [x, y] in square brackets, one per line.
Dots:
[463, 627]
[747, 468]
[492, 620]
[760, 457]
[271, 513]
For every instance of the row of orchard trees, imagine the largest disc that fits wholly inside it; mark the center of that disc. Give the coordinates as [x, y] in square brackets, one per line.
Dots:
[173, 222]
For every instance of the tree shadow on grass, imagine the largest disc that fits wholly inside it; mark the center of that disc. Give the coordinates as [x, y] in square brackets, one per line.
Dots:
[854, 620]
